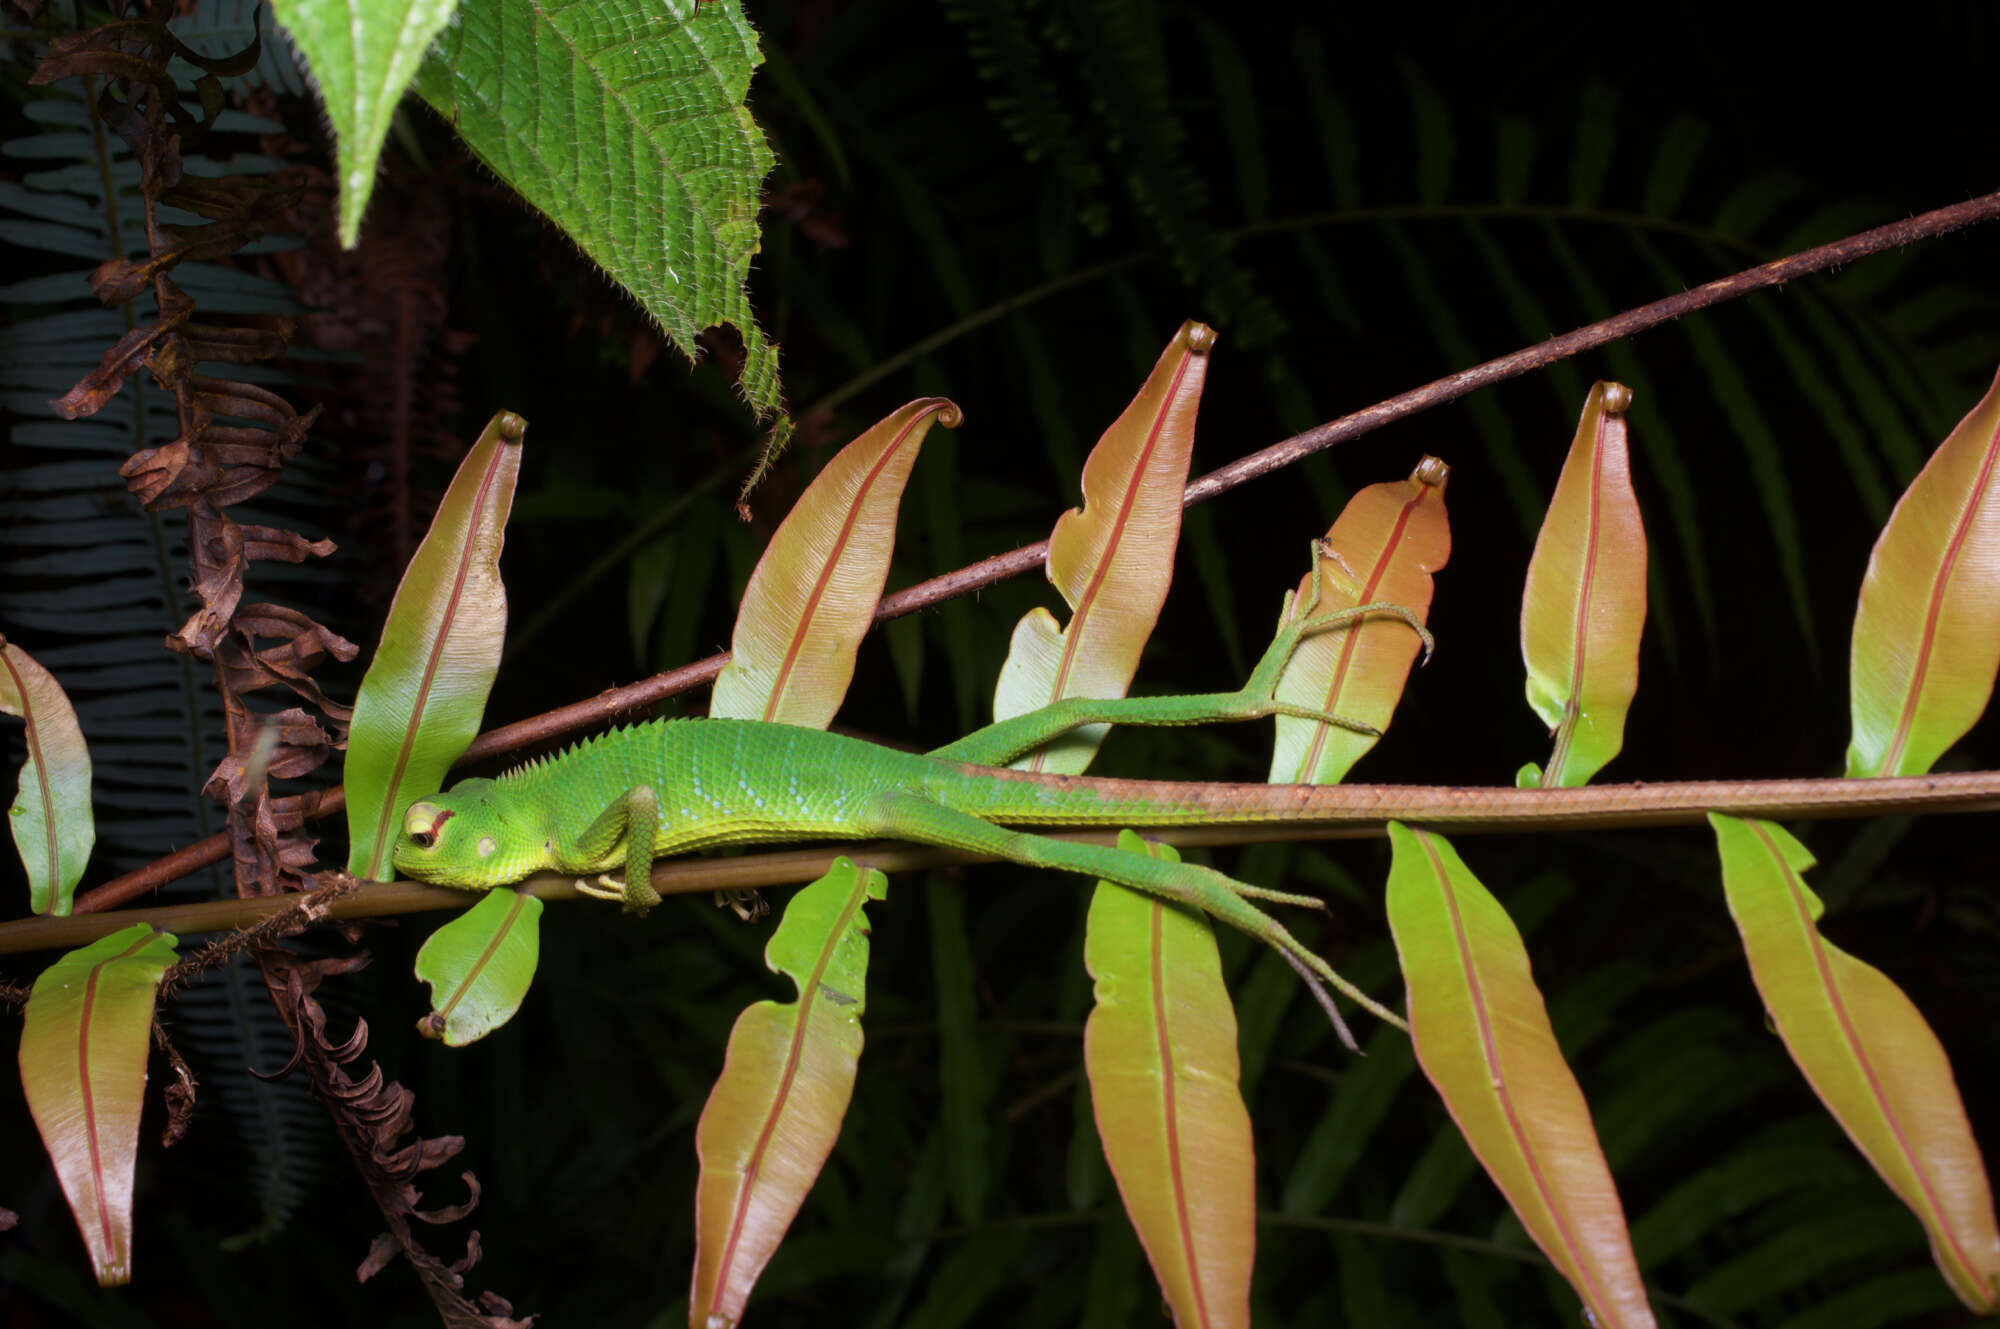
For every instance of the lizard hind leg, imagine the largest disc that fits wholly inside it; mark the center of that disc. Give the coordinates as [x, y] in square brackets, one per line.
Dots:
[908, 817]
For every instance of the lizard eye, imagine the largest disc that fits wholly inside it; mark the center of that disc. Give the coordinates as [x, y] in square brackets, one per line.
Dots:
[423, 822]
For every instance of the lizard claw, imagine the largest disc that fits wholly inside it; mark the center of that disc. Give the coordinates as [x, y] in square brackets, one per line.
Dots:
[603, 889]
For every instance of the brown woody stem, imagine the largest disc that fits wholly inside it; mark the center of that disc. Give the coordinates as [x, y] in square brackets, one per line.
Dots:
[617, 702]
[1366, 808]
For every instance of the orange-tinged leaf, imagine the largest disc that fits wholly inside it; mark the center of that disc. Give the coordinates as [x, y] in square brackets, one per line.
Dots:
[1927, 630]
[1160, 1050]
[1388, 541]
[83, 1066]
[420, 703]
[775, 1111]
[1112, 558]
[813, 595]
[479, 966]
[1584, 606]
[51, 816]
[1482, 1035]
[1866, 1051]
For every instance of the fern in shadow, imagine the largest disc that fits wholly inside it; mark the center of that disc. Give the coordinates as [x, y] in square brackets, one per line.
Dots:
[85, 568]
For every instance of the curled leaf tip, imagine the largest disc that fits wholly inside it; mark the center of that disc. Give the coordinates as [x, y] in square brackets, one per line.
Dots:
[1200, 338]
[1431, 472]
[511, 427]
[949, 413]
[1617, 398]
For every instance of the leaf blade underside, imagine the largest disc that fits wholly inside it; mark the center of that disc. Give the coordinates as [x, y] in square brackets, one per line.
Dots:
[1483, 1036]
[1866, 1051]
[84, 1040]
[776, 1109]
[1390, 538]
[813, 594]
[1925, 649]
[51, 816]
[425, 690]
[1160, 1050]
[1584, 606]
[1112, 558]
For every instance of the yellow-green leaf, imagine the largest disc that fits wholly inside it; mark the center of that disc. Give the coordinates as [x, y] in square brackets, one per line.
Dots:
[51, 817]
[775, 1111]
[363, 54]
[813, 595]
[420, 703]
[1160, 1049]
[1866, 1051]
[83, 1066]
[1113, 558]
[1483, 1037]
[1927, 629]
[479, 966]
[1388, 540]
[1584, 606]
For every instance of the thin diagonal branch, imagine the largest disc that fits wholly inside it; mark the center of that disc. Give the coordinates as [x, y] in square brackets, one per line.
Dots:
[616, 703]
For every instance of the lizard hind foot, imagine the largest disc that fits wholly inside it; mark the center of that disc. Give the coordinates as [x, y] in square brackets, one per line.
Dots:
[1325, 1000]
[748, 905]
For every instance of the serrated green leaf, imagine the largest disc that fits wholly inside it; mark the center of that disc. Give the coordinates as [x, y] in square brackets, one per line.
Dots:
[363, 54]
[662, 165]
[479, 967]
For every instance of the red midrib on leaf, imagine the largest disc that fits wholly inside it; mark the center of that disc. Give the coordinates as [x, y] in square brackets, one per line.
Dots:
[1577, 1268]
[1073, 635]
[1170, 1112]
[800, 632]
[1580, 632]
[382, 832]
[1796, 890]
[41, 774]
[1351, 639]
[485, 957]
[795, 1050]
[87, 1093]
[1921, 668]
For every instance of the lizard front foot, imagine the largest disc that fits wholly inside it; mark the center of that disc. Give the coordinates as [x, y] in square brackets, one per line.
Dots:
[608, 887]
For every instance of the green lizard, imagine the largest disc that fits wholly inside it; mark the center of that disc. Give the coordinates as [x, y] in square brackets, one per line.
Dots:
[629, 796]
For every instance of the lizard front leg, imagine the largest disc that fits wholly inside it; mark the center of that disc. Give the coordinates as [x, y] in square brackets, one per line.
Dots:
[1009, 740]
[634, 818]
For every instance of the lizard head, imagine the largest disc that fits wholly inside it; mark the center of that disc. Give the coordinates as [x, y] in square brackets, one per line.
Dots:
[460, 838]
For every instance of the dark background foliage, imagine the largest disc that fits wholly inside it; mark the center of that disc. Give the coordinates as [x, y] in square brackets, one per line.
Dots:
[1361, 202]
